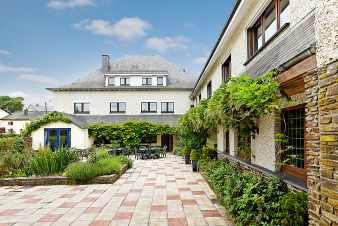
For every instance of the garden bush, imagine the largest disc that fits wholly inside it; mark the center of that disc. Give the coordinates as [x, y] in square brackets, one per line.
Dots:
[84, 171]
[208, 153]
[47, 162]
[15, 164]
[125, 161]
[11, 143]
[252, 199]
[98, 154]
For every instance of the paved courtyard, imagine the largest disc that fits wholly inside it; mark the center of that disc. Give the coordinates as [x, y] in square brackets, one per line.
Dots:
[155, 192]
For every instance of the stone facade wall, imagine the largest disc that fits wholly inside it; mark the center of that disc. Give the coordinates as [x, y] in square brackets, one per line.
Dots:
[322, 144]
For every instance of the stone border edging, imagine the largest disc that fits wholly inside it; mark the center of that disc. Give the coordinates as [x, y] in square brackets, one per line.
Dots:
[59, 180]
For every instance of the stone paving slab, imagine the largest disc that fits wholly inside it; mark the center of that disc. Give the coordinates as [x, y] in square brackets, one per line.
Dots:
[162, 192]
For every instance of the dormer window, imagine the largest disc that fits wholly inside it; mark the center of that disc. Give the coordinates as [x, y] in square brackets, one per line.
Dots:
[147, 81]
[124, 81]
[160, 81]
[111, 81]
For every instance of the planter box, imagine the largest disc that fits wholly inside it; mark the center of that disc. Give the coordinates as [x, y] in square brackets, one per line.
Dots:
[59, 180]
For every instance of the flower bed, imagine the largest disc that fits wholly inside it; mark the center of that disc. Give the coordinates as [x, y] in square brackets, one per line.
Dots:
[252, 199]
[20, 165]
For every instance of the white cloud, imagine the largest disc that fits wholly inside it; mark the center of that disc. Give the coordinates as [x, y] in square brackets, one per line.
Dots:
[5, 52]
[6, 69]
[64, 4]
[128, 28]
[167, 43]
[18, 94]
[201, 60]
[36, 78]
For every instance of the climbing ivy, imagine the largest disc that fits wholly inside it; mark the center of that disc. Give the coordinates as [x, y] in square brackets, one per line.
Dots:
[236, 104]
[44, 120]
[129, 134]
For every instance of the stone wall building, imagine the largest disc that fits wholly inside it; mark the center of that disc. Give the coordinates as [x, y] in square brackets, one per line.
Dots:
[300, 38]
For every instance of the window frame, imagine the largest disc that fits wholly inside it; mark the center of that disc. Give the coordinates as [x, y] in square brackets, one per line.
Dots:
[82, 108]
[226, 70]
[209, 89]
[167, 107]
[252, 49]
[111, 78]
[147, 79]
[126, 79]
[160, 84]
[291, 169]
[148, 107]
[118, 107]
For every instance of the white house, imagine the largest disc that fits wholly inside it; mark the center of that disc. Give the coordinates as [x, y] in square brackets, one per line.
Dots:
[135, 87]
[3, 113]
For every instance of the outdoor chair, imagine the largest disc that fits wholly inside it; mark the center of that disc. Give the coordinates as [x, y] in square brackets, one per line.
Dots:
[164, 151]
[155, 152]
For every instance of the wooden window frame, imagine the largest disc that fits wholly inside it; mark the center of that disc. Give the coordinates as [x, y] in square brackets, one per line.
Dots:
[118, 107]
[82, 108]
[209, 89]
[251, 51]
[226, 70]
[292, 170]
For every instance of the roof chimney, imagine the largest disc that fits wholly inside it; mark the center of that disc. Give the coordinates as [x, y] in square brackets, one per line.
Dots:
[105, 63]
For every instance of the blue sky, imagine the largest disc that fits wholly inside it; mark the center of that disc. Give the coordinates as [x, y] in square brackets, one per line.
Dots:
[47, 43]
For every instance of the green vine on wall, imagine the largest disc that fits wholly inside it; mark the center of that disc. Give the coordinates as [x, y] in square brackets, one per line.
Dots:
[129, 134]
[44, 120]
[236, 104]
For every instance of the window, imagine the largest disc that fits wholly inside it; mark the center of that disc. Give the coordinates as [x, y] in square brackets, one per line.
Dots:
[81, 108]
[111, 81]
[148, 107]
[226, 70]
[209, 90]
[227, 142]
[117, 107]
[160, 81]
[268, 24]
[57, 137]
[2, 130]
[167, 107]
[10, 123]
[146, 81]
[293, 128]
[124, 81]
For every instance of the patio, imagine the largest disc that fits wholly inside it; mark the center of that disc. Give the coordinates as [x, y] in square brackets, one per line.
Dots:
[155, 192]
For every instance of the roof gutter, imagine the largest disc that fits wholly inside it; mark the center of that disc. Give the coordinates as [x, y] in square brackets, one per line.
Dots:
[234, 10]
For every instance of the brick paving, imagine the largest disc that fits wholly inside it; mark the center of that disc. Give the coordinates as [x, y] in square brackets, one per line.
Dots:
[162, 192]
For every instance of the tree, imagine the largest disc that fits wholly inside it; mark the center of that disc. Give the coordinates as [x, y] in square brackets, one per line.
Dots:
[11, 104]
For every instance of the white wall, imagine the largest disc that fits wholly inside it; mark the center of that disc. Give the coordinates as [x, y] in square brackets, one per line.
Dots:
[79, 136]
[100, 101]
[263, 146]
[16, 127]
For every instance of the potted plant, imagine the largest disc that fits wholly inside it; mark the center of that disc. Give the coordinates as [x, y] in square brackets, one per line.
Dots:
[186, 153]
[194, 157]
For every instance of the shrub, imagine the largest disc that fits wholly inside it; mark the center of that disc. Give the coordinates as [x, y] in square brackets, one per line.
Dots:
[14, 163]
[83, 172]
[98, 154]
[252, 199]
[11, 143]
[47, 162]
[208, 153]
[186, 151]
[125, 161]
[194, 155]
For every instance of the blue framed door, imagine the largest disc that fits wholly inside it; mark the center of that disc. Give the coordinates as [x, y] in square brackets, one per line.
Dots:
[57, 137]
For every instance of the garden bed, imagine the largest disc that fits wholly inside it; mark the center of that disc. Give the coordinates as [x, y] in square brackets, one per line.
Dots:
[59, 180]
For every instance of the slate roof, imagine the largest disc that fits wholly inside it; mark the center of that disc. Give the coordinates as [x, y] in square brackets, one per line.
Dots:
[84, 121]
[21, 116]
[177, 78]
